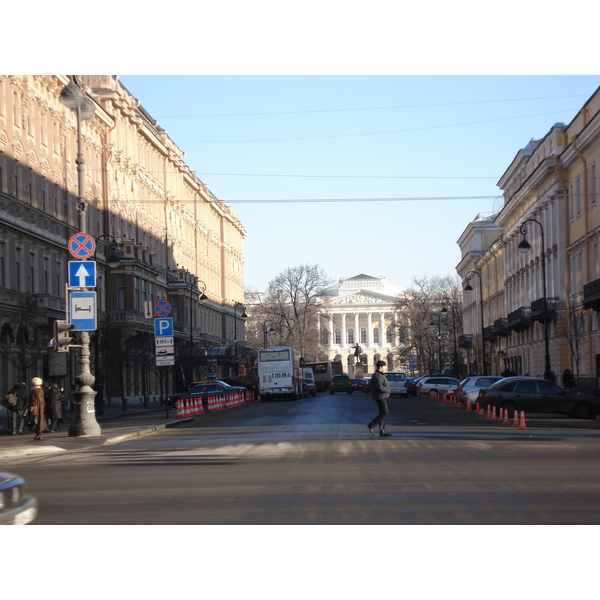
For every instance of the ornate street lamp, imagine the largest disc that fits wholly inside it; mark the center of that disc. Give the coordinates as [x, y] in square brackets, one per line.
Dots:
[525, 247]
[84, 416]
[432, 325]
[444, 311]
[468, 290]
[202, 297]
[266, 333]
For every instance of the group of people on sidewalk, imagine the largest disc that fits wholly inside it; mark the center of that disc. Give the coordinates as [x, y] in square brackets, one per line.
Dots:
[41, 410]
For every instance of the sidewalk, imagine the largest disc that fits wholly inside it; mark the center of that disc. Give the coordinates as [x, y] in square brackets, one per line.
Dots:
[116, 426]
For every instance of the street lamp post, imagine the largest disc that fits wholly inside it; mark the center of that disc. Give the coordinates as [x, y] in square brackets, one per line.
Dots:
[84, 417]
[266, 333]
[468, 290]
[432, 325]
[201, 298]
[243, 316]
[525, 247]
[444, 311]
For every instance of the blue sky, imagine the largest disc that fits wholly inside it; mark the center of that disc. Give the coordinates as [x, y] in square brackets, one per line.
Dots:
[391, 168]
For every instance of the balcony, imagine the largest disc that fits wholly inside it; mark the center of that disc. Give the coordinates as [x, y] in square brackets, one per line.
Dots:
[537, 309]
[591, 295]
[501, 327]
[489, 334]
[465, 341]
[520, 319]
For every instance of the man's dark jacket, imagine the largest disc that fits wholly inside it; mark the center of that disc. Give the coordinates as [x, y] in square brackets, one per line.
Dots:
[380, 387]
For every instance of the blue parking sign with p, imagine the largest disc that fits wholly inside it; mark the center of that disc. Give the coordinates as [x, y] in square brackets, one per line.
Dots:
[163, 327]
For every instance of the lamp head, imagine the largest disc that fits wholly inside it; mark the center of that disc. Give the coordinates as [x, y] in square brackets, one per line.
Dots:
[524, 246]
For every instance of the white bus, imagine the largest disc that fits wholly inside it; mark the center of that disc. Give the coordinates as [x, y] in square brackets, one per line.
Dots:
[279, 373]
[324, 372]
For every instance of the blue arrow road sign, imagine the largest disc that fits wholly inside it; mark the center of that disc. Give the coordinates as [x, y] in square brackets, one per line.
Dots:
[82, 311]
[163, 327]
[82, 273]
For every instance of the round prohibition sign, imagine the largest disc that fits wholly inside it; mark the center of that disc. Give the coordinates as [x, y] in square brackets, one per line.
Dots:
[162, 308]
[82, 245]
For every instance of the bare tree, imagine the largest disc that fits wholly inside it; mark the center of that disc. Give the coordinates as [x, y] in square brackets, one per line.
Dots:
[289, 311]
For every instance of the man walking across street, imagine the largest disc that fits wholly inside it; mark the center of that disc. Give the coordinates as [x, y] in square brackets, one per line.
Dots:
[380, 391]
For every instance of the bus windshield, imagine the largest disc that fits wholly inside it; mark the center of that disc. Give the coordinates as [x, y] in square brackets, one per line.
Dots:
[274, 355]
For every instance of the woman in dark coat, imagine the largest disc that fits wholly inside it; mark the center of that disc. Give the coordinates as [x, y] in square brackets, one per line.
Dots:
[37, 406]
[55, 408]
[20, 410]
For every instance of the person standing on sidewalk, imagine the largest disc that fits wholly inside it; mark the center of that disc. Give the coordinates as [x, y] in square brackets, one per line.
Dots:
[380, 392]
[18, 412]
[55, 408]
[37, 407]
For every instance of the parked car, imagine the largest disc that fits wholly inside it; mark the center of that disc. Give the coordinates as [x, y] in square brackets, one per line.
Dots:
[341, 383]
[358, 384]
[411, 386]
[437, 383]
[16, 507]
[397, 381]
[532, 394]
[469, 387]
[204, 389]
[367, 387]
[308, 382]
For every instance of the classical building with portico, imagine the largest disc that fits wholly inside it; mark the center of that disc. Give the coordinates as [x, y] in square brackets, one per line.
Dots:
[361, 311]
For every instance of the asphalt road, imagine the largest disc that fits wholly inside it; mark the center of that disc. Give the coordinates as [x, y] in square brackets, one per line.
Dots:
[313, 462]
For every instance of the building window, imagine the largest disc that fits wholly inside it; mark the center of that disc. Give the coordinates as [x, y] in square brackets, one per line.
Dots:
[2, 267]
[337, 336]
[376, 335]
[120, 292]
[350, 335]
[363, 335]
[45, 274]
[136, 294]
[17, 283]
[389, 336]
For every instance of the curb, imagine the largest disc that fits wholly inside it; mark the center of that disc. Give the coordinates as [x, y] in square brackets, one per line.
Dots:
[85, 442]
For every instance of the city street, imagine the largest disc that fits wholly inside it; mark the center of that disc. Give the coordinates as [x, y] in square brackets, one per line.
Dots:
[313, 461]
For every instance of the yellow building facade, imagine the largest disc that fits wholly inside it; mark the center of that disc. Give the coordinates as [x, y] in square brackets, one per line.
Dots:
[551, 198]
[174, 238]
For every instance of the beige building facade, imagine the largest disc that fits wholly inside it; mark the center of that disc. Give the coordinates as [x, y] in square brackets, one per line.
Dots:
[551, 201]
[174, 238]
[360, 311]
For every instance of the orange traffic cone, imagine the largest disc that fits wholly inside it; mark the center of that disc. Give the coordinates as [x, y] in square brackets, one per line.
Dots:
[468, 403]
[489, 412]
[505, 420]
[494, 417]
[445, 400]
[522, 421]
[477, 407]
[516, 419]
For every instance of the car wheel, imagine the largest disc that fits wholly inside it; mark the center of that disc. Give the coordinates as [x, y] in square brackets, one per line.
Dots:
[510, 407]
[583, 411]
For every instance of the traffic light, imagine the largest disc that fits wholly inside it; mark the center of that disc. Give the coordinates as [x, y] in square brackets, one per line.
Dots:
[62, 337]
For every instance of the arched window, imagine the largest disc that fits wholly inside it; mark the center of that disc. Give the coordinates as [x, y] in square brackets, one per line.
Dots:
[376, 335]
[389, 335]
[337, 335]
[350, 335]
[363, 335]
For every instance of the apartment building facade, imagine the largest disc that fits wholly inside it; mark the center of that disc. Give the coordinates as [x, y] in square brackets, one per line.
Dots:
[540, 305]
[173, 238]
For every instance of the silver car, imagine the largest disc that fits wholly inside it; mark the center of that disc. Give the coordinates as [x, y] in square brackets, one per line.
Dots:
[469, 387]
[437, 383]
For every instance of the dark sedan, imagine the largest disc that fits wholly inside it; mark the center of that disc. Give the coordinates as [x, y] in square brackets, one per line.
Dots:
[531, 394]
[16, 507]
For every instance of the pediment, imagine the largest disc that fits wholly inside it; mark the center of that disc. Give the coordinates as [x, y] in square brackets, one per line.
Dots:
[364, 298]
